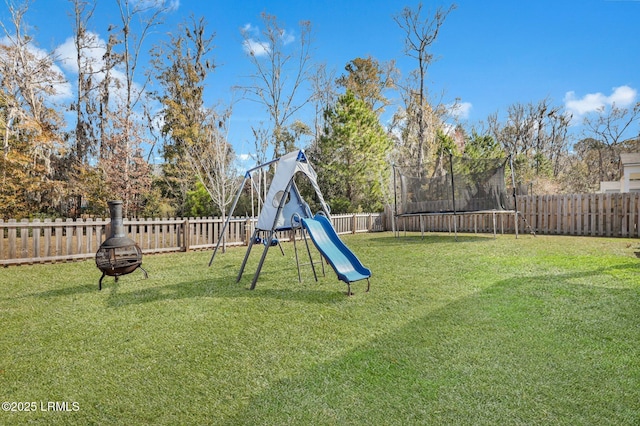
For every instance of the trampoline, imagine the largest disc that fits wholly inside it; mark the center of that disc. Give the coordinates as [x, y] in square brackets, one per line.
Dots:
[462, 186]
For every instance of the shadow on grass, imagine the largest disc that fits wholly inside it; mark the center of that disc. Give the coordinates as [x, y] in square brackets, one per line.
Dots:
[133, 288]
[92, 287]
[62, 292]
[222, 288]
[519, 352]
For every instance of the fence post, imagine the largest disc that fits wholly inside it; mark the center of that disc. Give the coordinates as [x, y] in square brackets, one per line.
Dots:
[186, 232]
[69, 236]
[24, 238]
[12, 234]
[2, 228]
[35, 235]
[247, 231]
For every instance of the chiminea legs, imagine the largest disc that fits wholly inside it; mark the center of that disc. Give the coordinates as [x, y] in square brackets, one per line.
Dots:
[116, 276]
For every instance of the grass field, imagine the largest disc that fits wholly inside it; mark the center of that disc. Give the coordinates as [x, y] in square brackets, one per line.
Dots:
[483, 331]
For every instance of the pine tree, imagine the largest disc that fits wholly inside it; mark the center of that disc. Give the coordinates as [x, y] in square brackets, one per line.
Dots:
[352, 157]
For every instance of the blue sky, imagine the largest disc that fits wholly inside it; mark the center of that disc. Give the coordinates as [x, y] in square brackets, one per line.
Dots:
[491, 54]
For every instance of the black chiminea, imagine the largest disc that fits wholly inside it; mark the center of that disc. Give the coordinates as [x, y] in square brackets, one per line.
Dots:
[118, 254]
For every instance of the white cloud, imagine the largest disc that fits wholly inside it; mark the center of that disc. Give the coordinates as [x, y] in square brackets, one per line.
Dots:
[170, 5]
[253, 46]
[621, 97]
[460, 110]
[256, 48]
[287, 37]
[93, 57]
[249, 29]
[60, 85]
[66, 53]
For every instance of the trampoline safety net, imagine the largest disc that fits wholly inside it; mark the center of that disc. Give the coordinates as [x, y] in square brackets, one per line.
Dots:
[477, 185]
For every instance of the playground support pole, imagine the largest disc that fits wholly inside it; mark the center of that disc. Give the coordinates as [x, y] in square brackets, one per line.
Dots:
[226, 222]
[271, 234]
[262, 258]
[295, 250]
[246, 255]
[247, 175]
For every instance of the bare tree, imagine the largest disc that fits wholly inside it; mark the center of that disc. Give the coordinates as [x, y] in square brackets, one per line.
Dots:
[279, 74]
[420, 33]
[553, 137]
[607, 130]
[84, 139]
[125, 165]
[85, 43]
[212, 159]
[324, 96]
[414, 143]
[32, 123]
[127, 115]
[29, 78]
[536, 135]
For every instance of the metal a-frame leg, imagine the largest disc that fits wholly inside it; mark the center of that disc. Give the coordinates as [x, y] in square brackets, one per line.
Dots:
[306, 243]
[262, 258]
[295, 250]
[226, 222]
[246, 255]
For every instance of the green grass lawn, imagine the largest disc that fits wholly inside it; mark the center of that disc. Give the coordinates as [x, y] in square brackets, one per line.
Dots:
[534, 330]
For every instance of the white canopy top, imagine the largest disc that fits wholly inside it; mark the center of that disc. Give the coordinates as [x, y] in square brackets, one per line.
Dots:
[283, 186]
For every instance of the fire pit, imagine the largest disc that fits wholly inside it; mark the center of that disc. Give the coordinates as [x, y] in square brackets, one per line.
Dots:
[118, 254]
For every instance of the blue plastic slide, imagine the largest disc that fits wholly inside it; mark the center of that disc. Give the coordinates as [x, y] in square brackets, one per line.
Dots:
[342, 260]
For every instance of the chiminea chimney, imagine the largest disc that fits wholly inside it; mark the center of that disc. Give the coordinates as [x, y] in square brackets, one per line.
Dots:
[118, 254]
[117, 236]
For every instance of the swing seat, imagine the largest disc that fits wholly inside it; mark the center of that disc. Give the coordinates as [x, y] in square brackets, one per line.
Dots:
[274, 242]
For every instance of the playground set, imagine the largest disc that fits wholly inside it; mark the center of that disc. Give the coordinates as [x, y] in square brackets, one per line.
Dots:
[283, 209]
[458, 186]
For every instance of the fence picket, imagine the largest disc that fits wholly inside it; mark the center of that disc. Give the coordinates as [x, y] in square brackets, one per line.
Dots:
[24, 239]
[35, 235]
[577, 222]
[2, 239]
[633, 215]
[12, 234]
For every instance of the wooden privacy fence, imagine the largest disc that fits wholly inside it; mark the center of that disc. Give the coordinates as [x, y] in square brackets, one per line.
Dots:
[597, 215]
[601, 215]
[23, 242]
[606, 215]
